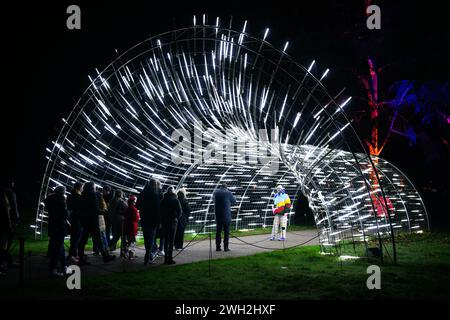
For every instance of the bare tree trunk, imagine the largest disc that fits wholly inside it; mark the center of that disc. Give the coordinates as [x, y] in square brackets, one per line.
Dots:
[370, 83]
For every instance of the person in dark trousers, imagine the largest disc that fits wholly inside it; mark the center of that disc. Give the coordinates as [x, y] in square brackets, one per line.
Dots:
[107, 196]
[58, 225]
[186, 209]
[74, 207]
[6, 228]
[170, 214]
[223, 200]
[148, 203]
[90, 206]
[158, 249]
[117, 209]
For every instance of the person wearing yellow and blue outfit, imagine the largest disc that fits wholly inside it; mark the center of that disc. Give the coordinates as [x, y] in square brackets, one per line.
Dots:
[281, 208]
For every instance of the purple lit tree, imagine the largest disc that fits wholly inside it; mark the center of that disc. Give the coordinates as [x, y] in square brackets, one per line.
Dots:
[418, 106]
[398, 107]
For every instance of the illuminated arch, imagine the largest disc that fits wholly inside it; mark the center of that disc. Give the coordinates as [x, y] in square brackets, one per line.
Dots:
[119, 133]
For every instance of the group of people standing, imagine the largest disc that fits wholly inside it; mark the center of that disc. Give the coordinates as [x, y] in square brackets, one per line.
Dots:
[107, 217]
[82, 215]
[167, 213]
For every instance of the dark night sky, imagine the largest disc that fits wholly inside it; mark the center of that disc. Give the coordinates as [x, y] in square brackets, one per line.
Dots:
[46, 65]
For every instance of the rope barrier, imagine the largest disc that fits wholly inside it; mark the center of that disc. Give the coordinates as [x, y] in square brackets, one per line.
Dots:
[274, 249]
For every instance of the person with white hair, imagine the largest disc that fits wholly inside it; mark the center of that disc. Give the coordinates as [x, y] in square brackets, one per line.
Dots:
[281, 208]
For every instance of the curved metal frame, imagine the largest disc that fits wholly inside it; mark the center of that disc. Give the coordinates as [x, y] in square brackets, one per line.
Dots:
[231, 80]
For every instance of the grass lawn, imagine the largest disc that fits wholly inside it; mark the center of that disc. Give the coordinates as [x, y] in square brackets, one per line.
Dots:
[423, 272]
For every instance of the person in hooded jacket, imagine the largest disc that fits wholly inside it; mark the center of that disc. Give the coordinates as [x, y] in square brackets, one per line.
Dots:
[186, 209]
[148, 203]
[170, 214]
[58, 217]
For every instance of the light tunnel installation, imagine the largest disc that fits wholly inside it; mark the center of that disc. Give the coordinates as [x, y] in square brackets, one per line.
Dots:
[224, 80]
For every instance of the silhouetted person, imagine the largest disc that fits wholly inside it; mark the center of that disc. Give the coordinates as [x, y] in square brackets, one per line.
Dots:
[170, 214]
[58, 217]
[148, 203]
[117, 209]
[90, 205]
[101, 225]
[158, 250]
[223, 200]
[107, 196]
[6, 228]
[303, 213]
[186, 209]
[8, 186]
[75, 211]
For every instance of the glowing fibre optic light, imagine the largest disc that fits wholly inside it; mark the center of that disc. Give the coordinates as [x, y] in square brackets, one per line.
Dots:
[340, 131]
[324, 74]
[341, 107]
[266, 33]
[311, 65]
[282, 109]
[312, 132]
